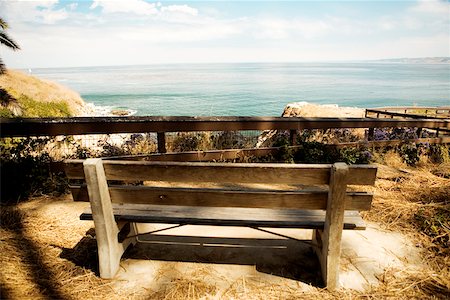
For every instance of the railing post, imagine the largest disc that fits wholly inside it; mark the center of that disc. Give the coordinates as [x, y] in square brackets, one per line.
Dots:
[419, 132]
[370, 134]
[161, 142]
[293, 137]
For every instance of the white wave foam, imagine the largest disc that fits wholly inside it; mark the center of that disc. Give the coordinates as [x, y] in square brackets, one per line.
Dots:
[108, 111]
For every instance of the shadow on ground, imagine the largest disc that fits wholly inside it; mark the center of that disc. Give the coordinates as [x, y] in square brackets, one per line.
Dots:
[12, 221]
[287, 258]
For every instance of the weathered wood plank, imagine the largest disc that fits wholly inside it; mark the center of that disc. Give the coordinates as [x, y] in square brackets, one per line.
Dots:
[227, 216]
[216, 197]
[106, 230]
[133, 124]
[224, 172]
[332, 232]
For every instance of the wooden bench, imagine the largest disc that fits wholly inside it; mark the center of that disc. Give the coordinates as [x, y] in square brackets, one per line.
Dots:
[312, 196]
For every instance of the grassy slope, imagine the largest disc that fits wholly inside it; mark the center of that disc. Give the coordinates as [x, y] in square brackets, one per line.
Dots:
[38, 98]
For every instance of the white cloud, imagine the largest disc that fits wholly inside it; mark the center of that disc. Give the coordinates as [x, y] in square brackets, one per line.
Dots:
[432, 7]
[184, 9]
[33, 11]
[53, 16]
[138, 7]
[279, 29]
[72, 6]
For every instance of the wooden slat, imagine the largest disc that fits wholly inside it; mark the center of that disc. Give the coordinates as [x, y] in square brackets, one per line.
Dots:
[204, 155]
[226, 216]
[312, 199]
[223, 172]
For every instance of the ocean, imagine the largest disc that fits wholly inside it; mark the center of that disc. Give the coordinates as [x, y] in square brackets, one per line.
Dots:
[253, 89]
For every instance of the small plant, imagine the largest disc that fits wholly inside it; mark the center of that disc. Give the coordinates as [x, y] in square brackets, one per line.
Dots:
[229, 140]
[355, 156]
[191, 142]
[436, 224]
[140, 144]
[315, 152]
[439, 153]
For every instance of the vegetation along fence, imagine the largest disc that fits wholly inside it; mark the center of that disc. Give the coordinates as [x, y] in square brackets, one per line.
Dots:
[231, 137]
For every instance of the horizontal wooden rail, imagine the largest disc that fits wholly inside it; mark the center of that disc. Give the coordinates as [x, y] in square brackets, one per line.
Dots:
[17, 127]
[405, 115]
[226, 197]
[435, 109]
[229, 173]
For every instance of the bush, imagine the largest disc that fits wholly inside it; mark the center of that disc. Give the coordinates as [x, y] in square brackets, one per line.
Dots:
[434, 223]
[191, 142]
[25, 170]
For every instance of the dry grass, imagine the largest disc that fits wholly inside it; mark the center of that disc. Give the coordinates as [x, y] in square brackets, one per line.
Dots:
[42, 256]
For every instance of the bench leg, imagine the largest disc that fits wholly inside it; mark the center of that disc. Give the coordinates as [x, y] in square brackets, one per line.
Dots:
[131, 235]
[328, 241]
[106, 230]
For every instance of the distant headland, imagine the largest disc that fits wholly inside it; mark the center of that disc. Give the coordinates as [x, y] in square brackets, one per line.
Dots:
[415, 60]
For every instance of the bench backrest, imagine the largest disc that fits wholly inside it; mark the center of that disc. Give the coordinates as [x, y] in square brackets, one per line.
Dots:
[253, 185]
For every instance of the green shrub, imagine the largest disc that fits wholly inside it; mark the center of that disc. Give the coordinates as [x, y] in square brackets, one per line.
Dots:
[434, 223]
[230, 140]
[315, 152]
[32, 108]
[5, 113]
[439, 153]
[355, 156]
[191, 142]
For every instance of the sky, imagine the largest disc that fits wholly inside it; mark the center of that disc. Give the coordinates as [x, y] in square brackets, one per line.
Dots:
[132, 32]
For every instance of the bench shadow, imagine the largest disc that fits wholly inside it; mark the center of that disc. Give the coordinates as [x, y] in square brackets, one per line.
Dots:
[292, 259]
[85, 252]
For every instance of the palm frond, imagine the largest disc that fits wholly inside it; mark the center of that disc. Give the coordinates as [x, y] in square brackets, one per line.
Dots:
[2, 67]
[7, 41]
[3, 24]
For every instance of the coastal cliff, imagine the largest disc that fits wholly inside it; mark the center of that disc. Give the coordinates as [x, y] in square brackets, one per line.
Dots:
[28, 96]
[308, 110]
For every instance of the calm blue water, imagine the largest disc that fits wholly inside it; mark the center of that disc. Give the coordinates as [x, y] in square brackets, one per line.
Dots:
[254, 89]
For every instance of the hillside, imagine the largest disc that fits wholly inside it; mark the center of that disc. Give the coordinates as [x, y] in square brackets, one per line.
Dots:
[29, 96]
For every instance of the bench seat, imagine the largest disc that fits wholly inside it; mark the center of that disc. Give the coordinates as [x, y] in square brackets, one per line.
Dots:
[228, 216]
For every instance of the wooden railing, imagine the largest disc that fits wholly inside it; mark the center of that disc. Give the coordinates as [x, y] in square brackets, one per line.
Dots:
[409, 112]
[108, 125]
[439, 113]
